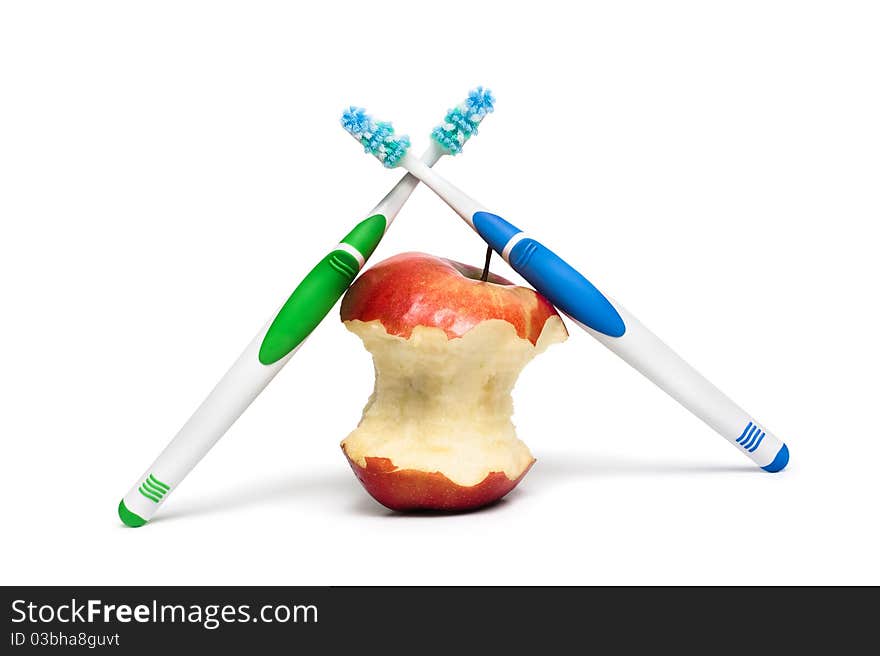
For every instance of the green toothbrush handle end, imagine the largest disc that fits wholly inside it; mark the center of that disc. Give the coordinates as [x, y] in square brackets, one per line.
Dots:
[129, 518]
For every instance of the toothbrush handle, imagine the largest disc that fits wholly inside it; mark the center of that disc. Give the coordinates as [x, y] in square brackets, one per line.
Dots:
[622, 333]
[647, 353]
[241, 384]
[263, 358]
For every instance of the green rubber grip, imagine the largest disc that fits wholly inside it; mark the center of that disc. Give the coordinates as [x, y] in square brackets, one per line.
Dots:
[318, 292]
[366, 235]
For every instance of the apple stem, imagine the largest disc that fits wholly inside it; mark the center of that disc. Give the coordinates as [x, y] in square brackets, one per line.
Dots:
[485, 275]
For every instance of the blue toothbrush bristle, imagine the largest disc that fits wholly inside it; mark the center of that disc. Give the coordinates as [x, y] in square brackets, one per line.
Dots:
[461, 122]
[377, 137]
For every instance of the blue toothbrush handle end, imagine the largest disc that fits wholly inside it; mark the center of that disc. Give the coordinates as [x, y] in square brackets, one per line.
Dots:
[779, 462]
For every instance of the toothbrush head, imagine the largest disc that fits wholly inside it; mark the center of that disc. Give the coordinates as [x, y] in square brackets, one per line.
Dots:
[461, 122]
[377, 137]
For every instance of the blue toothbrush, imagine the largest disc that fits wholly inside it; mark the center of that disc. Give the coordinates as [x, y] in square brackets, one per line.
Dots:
[565, 287]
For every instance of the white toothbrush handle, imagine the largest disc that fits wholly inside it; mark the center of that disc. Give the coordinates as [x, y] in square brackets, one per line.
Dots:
[224, 405]
[576, 296]
[644, 351]
[270, 350]
[617, 329]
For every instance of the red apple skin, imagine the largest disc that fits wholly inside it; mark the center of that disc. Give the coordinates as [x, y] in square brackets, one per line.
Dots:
[417, 289]
[409, 489]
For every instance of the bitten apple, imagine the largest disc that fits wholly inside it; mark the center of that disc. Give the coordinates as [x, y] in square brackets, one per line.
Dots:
[447, 348]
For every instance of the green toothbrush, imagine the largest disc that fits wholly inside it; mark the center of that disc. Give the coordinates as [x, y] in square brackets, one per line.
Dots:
[276, 343]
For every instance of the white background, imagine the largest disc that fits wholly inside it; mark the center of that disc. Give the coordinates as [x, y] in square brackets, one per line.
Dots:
[170, 170]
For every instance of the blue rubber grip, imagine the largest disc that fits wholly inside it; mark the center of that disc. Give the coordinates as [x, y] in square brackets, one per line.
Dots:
[552, 276]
